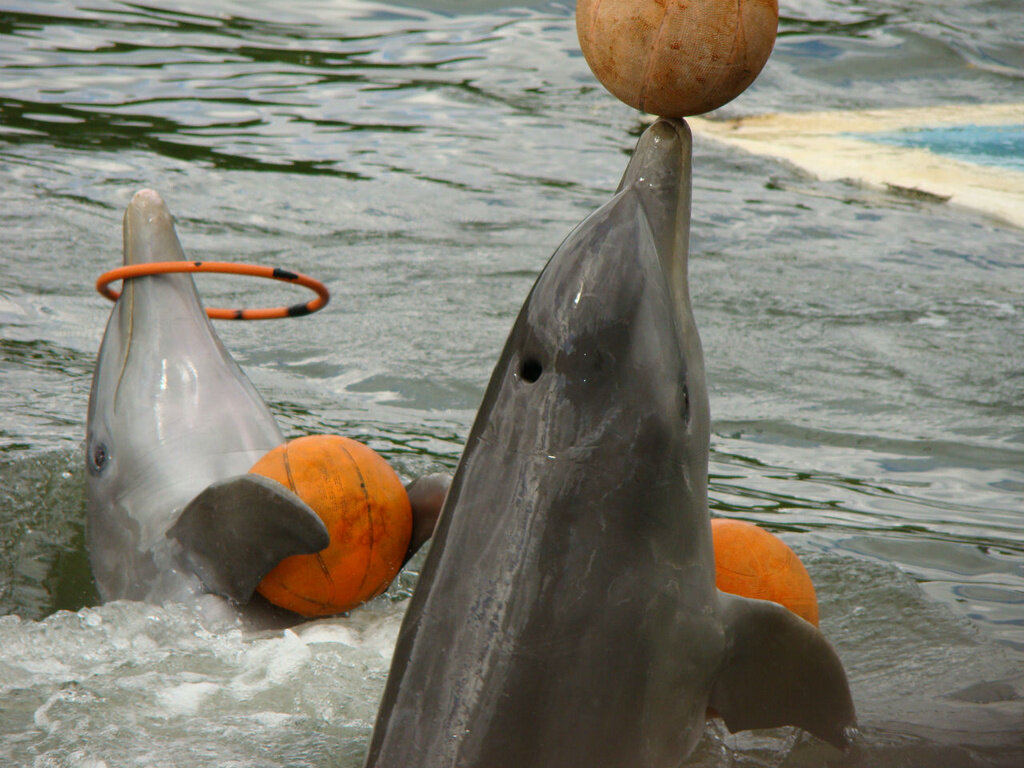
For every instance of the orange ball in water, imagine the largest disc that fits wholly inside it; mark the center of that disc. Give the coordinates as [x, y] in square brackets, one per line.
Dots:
[367, 513]
[751, 562]
[676, 57]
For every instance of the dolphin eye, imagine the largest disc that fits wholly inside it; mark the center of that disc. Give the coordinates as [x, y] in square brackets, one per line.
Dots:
[530, 369]
[685, 410]
[98, 458]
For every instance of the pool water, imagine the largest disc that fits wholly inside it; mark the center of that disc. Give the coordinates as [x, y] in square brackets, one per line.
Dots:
[864, 350]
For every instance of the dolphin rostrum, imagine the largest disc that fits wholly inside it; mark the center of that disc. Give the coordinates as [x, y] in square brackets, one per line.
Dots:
[567, 613]
[175, 425]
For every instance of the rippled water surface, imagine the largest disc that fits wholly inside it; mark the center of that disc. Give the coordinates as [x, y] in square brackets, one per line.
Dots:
[865, 350]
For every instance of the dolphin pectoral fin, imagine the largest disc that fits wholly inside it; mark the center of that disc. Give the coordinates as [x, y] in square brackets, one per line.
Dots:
[780, 670]
[426, 497]
[237, 530]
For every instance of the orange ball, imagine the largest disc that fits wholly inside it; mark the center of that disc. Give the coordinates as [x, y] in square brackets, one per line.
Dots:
[676, 57]
[366, 510]
[751, 562]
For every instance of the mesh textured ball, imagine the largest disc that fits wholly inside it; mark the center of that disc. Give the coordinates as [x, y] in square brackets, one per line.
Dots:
[366, 510]
[751, 562]
[676, 57]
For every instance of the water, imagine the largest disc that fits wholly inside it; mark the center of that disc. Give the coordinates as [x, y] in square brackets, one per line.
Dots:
[865, 350]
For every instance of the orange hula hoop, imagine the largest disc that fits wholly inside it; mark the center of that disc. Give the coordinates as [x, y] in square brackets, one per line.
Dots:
[227, 268]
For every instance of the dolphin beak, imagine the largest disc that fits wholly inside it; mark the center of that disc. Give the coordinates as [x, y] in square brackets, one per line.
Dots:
[149, 230]
[659, 155]
[660, 171]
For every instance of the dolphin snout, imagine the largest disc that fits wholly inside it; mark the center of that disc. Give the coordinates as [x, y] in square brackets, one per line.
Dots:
[149, 230]
[659, 157]
[146, 197]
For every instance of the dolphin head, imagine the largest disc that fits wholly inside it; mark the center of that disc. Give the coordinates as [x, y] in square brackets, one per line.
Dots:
[169, 413]
[605, 352]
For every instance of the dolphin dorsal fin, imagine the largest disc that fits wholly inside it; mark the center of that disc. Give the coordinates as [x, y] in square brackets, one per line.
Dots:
[236, 530]
[779, 670]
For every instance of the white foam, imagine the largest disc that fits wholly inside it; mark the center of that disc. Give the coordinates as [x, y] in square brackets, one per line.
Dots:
[185, 698]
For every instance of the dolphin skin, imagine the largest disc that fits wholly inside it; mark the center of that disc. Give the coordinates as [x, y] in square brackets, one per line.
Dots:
[173, 428]
[567, 613]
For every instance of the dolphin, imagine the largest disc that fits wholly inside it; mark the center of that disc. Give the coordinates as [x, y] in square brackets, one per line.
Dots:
[566, 614]
[173, 422]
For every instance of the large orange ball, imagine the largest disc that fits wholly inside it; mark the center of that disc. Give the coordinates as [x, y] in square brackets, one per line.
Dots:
[676, 57]
[366, 510]
[751, 562]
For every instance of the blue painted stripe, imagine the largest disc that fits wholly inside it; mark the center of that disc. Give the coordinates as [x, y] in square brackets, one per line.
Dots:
[1001, 146]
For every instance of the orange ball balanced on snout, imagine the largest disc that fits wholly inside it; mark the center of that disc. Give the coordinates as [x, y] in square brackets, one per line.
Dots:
[676, 57]
[751, 562]
[366, 510]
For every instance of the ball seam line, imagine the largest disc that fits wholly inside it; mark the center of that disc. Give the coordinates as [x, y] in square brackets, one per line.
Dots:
[369, 514]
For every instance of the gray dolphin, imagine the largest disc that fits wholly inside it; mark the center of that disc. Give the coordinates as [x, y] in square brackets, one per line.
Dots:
[173, 427]
[567, 613]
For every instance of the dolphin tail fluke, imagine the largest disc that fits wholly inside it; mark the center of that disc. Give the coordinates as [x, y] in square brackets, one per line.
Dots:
[780, 670]
[236, 530]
